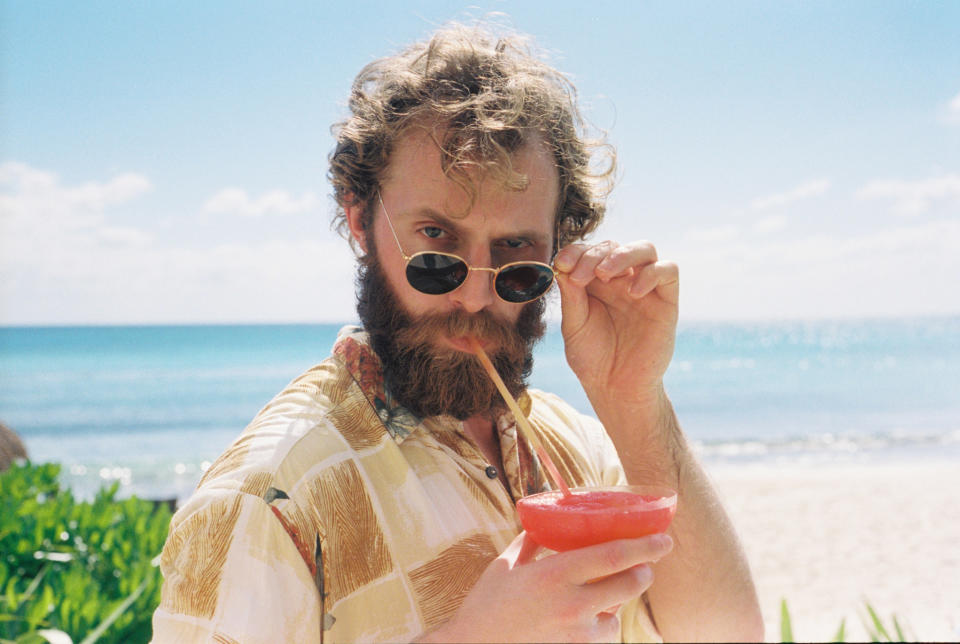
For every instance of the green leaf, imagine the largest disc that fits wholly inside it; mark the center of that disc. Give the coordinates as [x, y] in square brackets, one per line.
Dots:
[901, 636]
[95, 558]
[786, 629]
[841, 635]
[879, 631]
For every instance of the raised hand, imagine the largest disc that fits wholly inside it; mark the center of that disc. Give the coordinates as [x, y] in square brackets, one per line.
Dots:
[620, 308]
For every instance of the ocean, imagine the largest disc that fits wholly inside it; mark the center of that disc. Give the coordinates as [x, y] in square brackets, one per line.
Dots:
[150, 407]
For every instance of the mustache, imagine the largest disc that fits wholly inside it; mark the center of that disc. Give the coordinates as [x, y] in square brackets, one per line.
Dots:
[482, 325]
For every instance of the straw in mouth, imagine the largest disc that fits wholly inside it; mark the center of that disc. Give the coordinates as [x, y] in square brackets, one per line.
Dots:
[522, 424]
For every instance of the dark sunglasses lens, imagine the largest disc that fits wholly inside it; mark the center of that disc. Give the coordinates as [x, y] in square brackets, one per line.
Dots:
[523, 282]
[435, 274]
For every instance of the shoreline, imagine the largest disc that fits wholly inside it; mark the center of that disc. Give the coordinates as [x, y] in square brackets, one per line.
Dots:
[827, 537]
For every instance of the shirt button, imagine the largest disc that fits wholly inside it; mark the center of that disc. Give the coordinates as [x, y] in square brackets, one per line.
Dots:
[491, 472]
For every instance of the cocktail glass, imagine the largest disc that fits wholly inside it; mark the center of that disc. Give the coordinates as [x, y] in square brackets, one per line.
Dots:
[594, 515]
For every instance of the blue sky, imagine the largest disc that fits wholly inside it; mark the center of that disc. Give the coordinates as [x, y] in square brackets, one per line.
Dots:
[165, 161]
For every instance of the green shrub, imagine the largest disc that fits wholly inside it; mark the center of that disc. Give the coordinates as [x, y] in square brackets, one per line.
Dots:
[81, 567]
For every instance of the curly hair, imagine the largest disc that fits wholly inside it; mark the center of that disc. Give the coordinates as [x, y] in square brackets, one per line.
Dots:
[486, 96]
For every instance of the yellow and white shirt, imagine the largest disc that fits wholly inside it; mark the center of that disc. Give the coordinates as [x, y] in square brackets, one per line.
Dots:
[338, 516]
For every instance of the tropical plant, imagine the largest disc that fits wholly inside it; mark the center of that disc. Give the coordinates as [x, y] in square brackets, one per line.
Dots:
[874, 626]
[76, 571]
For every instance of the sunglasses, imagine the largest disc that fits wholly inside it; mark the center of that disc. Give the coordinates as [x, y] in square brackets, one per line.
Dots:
[438, 273]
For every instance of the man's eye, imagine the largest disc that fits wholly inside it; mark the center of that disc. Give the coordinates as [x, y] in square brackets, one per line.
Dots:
[516, 243]
[432, 232]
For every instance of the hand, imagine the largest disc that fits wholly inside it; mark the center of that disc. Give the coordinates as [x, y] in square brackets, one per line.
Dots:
[554, 599]
[620, 309]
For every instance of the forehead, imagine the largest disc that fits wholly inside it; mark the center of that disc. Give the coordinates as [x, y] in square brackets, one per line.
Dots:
[415, 181]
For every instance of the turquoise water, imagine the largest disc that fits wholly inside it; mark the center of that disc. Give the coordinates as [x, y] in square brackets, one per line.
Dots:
[150, 407]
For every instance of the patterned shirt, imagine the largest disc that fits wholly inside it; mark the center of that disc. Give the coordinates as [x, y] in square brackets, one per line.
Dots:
[339, 516]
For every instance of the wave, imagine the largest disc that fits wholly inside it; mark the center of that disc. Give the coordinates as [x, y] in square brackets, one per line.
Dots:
[830, 446]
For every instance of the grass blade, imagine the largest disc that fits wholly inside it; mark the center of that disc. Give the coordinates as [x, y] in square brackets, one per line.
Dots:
[901, 636]
[878, 628]
[786, 628]
[34, 584]
[841, 634]
[96, 633]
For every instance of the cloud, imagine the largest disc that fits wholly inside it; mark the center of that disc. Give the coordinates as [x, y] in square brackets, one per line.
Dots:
[914, 197]
[124, 235]
[770, 224]
[276, 202]
[309, 280]
[894, 270]
[28, 191]
[67, 258]
[37, 211]
[951, 112]
[803, 191]
[715, 235]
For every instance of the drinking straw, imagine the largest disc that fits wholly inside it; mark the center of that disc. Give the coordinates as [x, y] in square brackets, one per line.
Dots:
[520, 417]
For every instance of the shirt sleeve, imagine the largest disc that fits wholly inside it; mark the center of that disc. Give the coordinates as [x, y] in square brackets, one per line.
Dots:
[232, 574]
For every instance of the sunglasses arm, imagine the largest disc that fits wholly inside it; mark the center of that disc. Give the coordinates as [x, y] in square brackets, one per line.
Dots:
[406, 257]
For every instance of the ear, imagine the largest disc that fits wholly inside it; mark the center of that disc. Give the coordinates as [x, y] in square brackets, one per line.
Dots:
[354, 213]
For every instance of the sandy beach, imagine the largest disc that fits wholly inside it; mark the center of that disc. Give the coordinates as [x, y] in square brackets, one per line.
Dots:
[826, 537]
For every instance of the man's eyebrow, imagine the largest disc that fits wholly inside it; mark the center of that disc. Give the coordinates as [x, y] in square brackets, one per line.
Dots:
[451, 223]
[442, 219]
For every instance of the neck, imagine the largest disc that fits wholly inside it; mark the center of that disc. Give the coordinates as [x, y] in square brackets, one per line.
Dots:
[479, 428]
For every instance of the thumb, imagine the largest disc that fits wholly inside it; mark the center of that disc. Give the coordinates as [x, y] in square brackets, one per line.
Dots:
[574, 305]
[528, 549]
[521, 550]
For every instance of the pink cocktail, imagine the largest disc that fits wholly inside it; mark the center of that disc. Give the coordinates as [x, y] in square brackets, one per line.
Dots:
[596, 514]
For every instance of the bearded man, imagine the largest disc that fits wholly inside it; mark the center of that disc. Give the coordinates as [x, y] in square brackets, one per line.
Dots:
[374, 498]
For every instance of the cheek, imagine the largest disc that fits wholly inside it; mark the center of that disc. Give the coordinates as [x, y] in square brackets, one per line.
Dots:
[505, 311]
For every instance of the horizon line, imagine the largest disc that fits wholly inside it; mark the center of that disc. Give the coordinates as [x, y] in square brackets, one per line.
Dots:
[550, 320]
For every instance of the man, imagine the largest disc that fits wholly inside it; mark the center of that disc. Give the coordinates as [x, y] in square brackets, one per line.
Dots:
[373, 499]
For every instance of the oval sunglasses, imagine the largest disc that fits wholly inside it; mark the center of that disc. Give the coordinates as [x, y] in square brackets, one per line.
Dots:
[438, 273]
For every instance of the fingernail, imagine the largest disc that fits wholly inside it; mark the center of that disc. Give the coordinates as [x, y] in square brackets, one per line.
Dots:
[644, 574]
[663, 542]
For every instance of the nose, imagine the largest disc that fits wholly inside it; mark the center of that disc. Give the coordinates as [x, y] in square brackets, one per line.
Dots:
[476, 292]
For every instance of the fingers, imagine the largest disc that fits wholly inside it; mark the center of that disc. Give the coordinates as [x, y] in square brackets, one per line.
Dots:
[581, 262]
[605, 559]
[663, 276]
[608, 261]
[606, 628]
[609, 593]
[624, 258]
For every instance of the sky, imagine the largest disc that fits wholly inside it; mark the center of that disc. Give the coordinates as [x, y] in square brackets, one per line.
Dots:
[165, 162]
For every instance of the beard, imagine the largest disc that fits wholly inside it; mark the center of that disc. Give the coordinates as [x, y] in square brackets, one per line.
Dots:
[430, 380]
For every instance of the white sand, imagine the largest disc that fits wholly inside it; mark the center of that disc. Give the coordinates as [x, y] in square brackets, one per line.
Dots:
[826, 537]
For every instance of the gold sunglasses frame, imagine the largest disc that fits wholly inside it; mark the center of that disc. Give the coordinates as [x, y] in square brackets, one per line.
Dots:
[495, 271]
